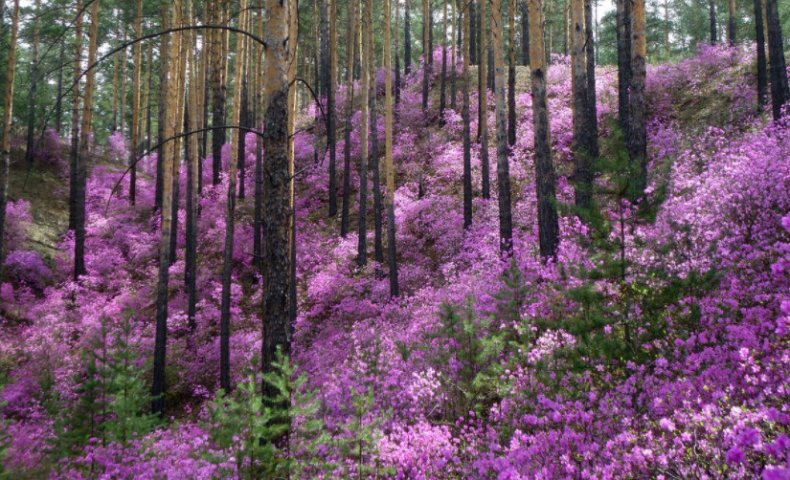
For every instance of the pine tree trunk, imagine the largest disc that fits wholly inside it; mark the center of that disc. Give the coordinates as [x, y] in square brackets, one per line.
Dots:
[623, 61]
[277, 186]
[134, 151]
[375, 160]
[179, 92]
[192, 159]
[511, 75]
[218, 89]
[8, 109]
[443, 88]
[344, 216]
[367, 37]
[170, 50]
[482, 131]
[390, 206]
[592, 97]
[780, 93]
[33, 93]
[467, 14]
[637, 131]
[257, 247]
[548, 223]
[714, 37]
[59, 99]
[149, 88]
[75, 117]
[473, 31]
[732, 24]
[453, 56]
[397, 54]
[84, 150]
[503, 167]
[331, 129]
[582, 132]
[762, 67]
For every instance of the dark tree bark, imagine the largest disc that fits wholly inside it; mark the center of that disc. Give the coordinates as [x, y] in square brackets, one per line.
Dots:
[732, 24]
[378, 245]
[218, 89]
[59, 99]
[511, 75]
[623, 61]
[192, 159]
[390, 206]
[344, 216]
[762, 68]
[474, 34]
[714, 36]
[582, 132]
[367, 38]
[407, 37]
[779, 88]
[592, 96]
[75, 118]
[524, 33]
[324, 67]
[277, 186]
[467, 180]
[134, 151]
[331, 129]
[397, 54]
[637, 131]
[503, 167]
[84, 150]
[548, 223]
[482, 130]
[454, 58]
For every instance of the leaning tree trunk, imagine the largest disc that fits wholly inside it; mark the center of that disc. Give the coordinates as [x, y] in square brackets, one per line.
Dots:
[390, 206]
[637, 131]
[277, 181]
[84, 150]
[762, 68]
[8, 109]
[779, 88]
[502, 149]
[467, 180]
[548, 223]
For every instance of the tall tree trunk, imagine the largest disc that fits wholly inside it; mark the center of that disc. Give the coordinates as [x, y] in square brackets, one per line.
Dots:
[276, 252]
[667, 27]
[397, 53]
[582, 133]
[524, 33]
[390, 206]
[443, 88]
[592, 97]
[230, 213]
[84, 150]
[732, 24]
[426, 53]
[503, 167]
[714, 37]
[548, 223]
[637, 131]
[623, 61]
[122, 87]
[407, 37]
[467, 180]
[780, 93]
[134, 151]
[344, 216]
[179, 92]
[375, 158]
[482, 131]
[164, 68]
[474, 34]
[170, 51]
[8, 109]
[367, 37]
[75, 118]
[454, 56]
[192, 160]
[762, 67]
[147, 94]
[218, 89]
[257, 247]
[33, 93]
[324, 67]
[331, 129]
[511, 75]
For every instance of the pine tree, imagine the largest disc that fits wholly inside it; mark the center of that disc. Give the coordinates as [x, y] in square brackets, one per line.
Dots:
[8, 106]
[503, 167]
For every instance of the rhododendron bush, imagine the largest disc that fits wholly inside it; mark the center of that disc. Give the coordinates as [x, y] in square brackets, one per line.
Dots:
[675, 364]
